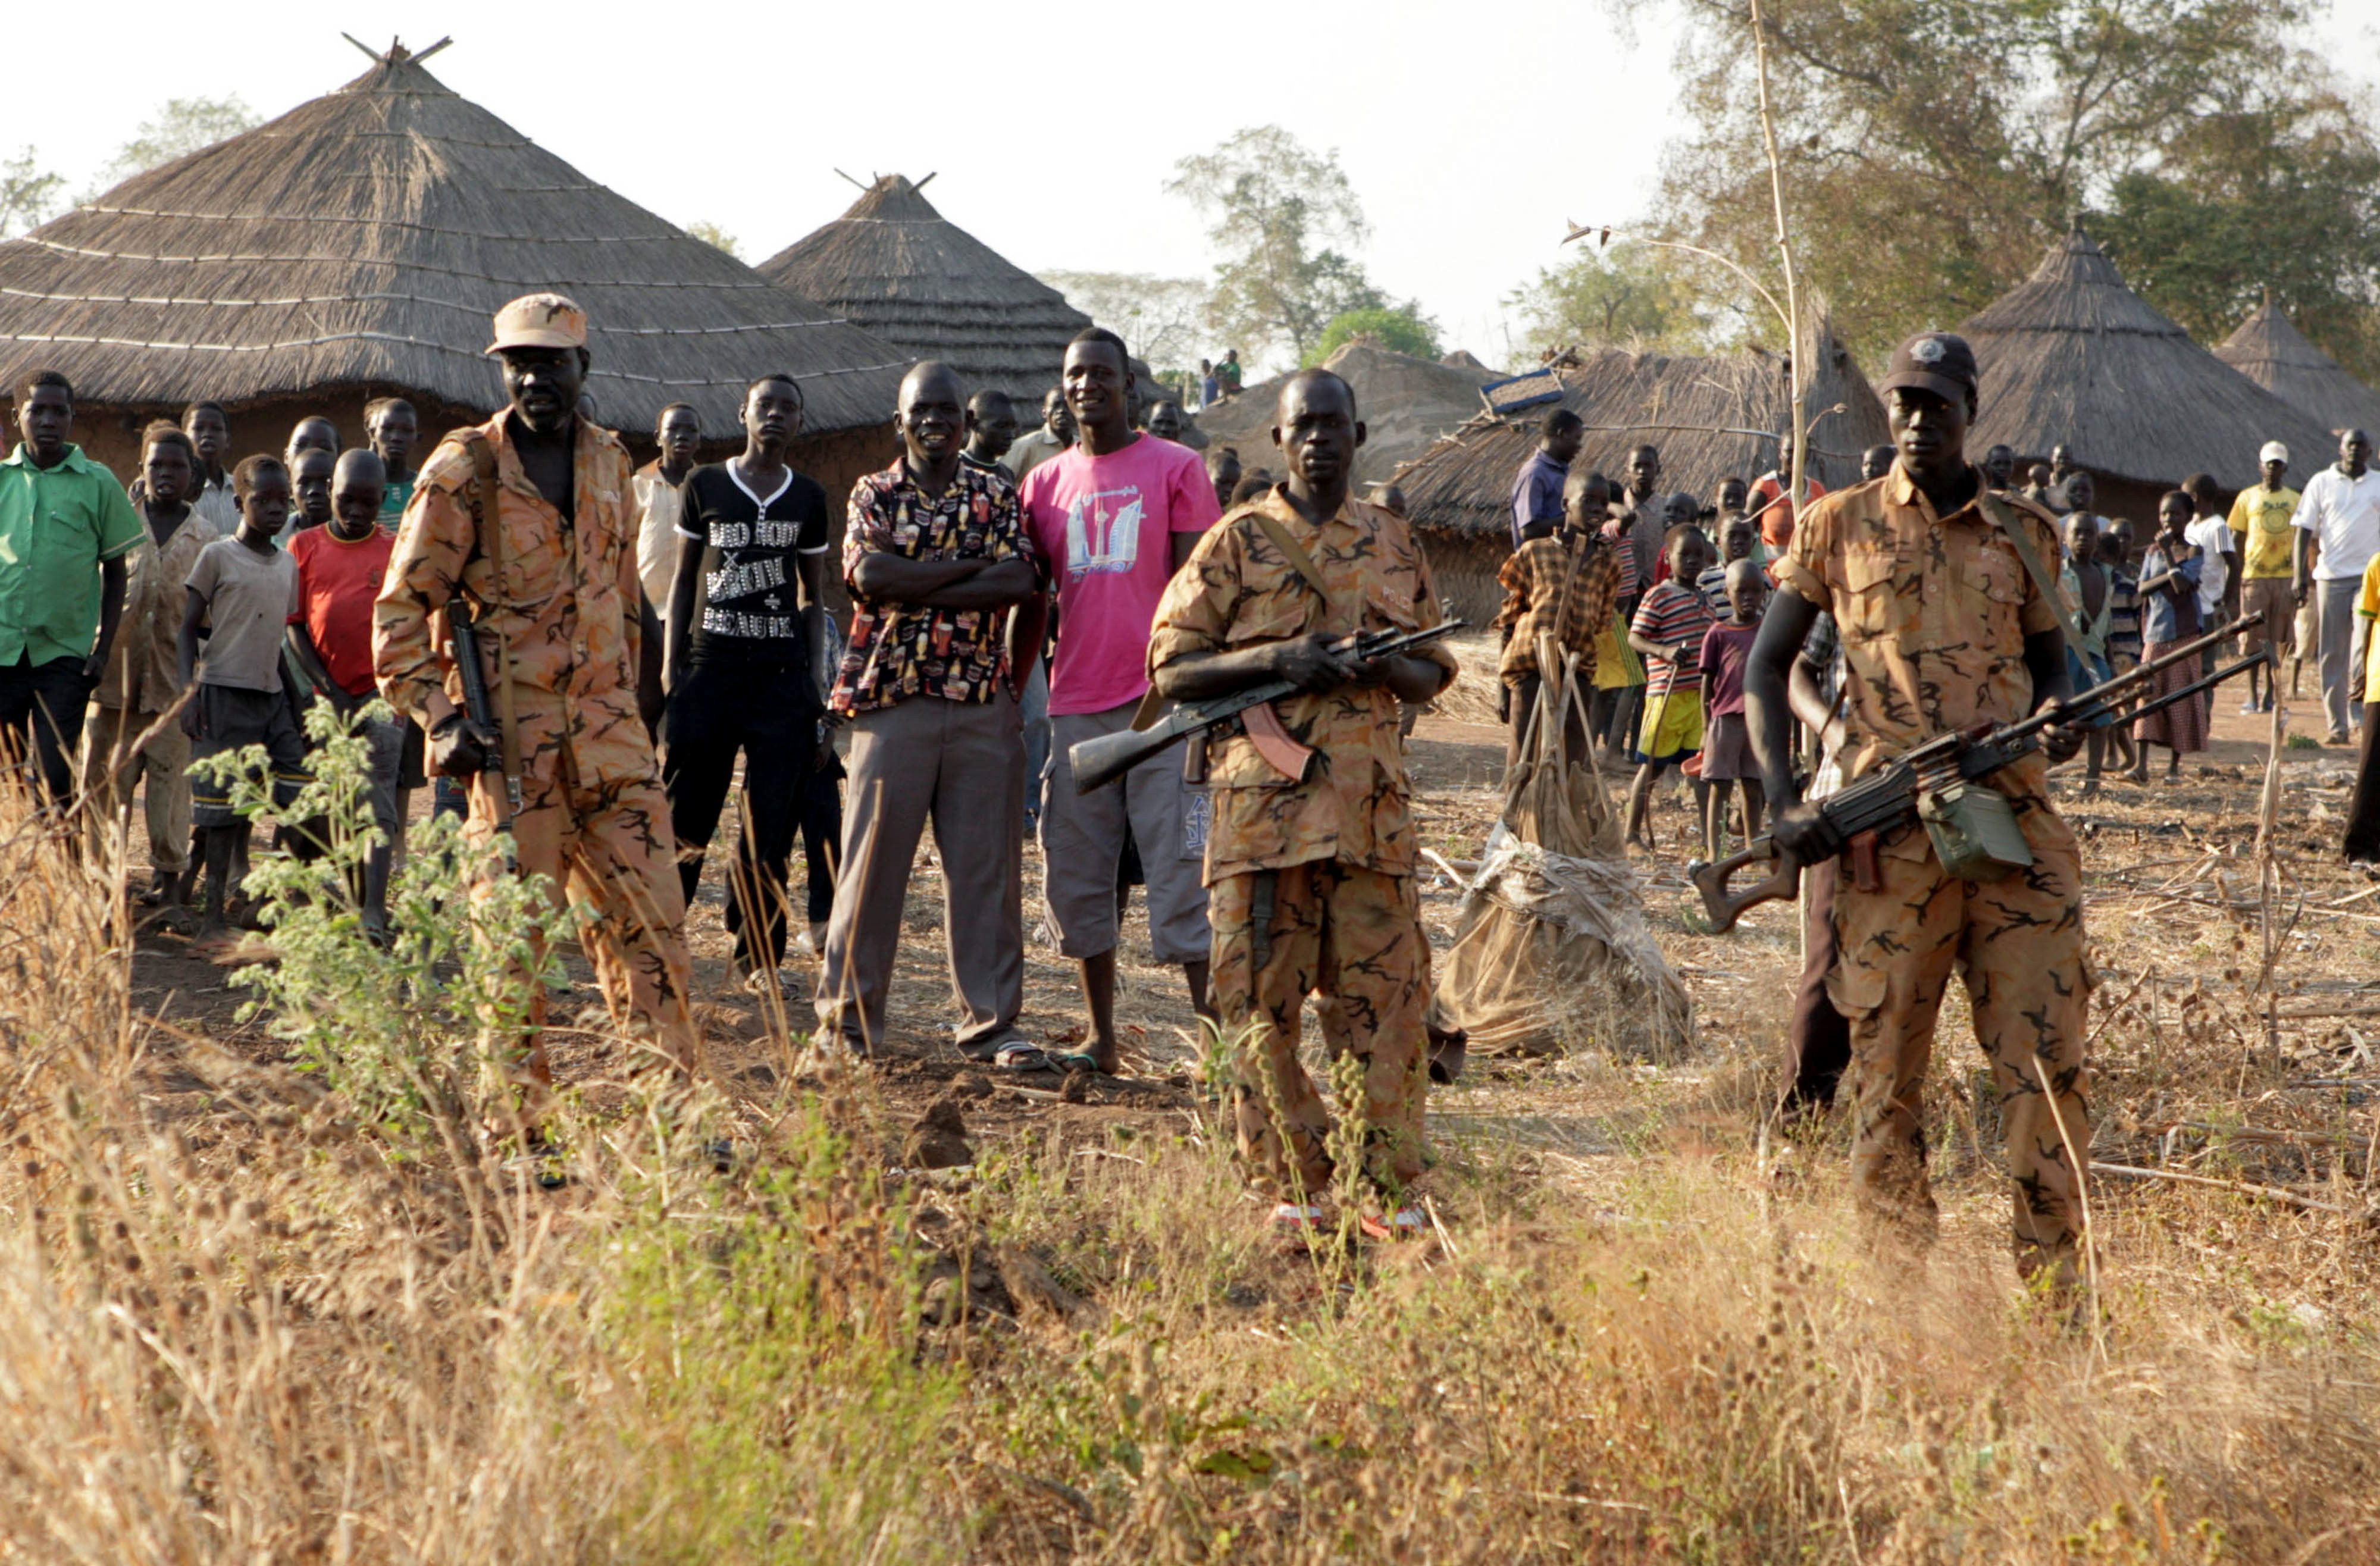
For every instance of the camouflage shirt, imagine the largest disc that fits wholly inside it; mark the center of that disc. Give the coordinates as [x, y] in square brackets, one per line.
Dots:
[569, 606]
[1559, 587]
[1238, 591]
[1933, 614]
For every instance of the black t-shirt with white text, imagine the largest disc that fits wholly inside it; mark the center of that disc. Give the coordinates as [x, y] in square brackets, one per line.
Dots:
[750, 591]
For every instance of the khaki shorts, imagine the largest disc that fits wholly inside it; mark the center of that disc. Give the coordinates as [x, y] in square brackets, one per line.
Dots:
[2273, 598]
[1082, 844]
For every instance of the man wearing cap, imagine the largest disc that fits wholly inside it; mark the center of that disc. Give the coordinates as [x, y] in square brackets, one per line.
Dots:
[2267, 546]
[2337, 521]
[1944, 626]
[569, 619]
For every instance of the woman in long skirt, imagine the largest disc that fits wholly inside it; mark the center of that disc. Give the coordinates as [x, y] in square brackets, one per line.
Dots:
[2169, 617]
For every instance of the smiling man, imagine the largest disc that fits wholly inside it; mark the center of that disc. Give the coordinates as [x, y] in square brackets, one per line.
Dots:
[1311, 878]
[566, 617]
[934, 554]
[1944, 626]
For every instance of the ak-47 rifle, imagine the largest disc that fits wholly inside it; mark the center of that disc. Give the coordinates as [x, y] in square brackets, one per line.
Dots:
[1108, 757]
[476, 704]
[1974, 832]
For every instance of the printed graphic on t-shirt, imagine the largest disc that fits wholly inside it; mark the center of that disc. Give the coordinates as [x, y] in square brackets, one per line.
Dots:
[1103, 532]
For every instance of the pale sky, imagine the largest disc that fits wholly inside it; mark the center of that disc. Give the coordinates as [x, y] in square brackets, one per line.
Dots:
[1452, 120]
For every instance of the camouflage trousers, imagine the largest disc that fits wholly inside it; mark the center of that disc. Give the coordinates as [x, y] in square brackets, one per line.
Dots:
[1352, 939]
[2016, 944]
[607, 844]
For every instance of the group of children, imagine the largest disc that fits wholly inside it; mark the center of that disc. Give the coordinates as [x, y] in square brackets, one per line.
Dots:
[1669, 672]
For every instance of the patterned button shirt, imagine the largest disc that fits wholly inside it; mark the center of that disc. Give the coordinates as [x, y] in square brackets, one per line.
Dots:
[1236, 591]
[898, 651]
[567, 606]
[144, 672]
[1933, 613]
[1561, 588]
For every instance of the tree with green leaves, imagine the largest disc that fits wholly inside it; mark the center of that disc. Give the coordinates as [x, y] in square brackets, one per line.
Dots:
[1934, 148]
[1161, 318]
[718, 239]
[1278, 210]
[1627, 296]
[179, 128]
[29, 195]
[1400, 328]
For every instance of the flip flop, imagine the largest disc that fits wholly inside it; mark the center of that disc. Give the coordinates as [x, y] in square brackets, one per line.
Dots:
[1019, 1056]
[1406, 1223]
[1072, 1060]
[1293, 1218]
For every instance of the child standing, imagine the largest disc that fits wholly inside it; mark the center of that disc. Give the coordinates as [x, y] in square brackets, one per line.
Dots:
[340, 566]
[1736, 539]
[2170, 576]
[1727, 747]
[1668, 630]
[247, 589]
[1559, 587]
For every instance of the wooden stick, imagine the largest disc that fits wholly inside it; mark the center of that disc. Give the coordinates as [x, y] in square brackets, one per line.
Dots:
[2274, 1192]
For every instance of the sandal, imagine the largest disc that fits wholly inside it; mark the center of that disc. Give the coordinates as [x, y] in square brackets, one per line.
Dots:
[1072, 1060]
[1293, 1218]
[1017, 1054]
[1406, 1223]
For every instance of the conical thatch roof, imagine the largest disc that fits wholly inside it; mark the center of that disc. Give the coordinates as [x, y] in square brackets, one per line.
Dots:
[2075, 356]
[366, 238]
[2274, 354]
[910, 275]
[1709, 416]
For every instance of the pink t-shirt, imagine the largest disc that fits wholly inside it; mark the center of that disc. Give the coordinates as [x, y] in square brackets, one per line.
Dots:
[1104, 527]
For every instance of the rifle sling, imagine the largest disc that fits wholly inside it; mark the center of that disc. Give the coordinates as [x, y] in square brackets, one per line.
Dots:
[2069, 621]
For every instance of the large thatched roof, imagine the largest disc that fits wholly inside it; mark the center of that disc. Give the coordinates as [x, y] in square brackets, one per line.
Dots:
[2273, 353]
[910, 275]
[1406, 404]
[366, 238]
[2073, 355]
[1709, 416]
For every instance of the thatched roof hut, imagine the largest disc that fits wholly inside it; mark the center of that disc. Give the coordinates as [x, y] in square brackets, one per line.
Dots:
[2075, 356]
[2273, 353]
[358, 246]
[1406, 404]
[915, 279]
[1713, 419]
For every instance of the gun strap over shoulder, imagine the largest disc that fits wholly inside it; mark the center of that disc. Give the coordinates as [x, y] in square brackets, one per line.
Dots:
[2013, 525]
[1299, 561]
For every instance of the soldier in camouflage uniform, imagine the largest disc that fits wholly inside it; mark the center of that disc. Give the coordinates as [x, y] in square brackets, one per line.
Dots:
[1311, 882]
[1944, 627]
[585, 657]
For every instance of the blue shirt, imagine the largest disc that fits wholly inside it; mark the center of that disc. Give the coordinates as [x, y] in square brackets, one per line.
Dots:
[1537, 493]
[57, 525]
[2165, 617]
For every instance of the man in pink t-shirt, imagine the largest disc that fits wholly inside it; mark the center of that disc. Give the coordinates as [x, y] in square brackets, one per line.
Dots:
[1111, 518]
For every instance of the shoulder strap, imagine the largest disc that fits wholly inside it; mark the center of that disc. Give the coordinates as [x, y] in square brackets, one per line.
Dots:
[483, 484]
[1299, 561]
[2004, 517]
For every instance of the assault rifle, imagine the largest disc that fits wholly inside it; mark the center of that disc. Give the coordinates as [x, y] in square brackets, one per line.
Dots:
[1108, 757]
[1974, 832]
[476, 705]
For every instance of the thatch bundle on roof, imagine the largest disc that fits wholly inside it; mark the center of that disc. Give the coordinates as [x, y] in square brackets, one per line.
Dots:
[1713, 419]
[2075, 356]
[359, 245]
[2273, 353]
[915, 279]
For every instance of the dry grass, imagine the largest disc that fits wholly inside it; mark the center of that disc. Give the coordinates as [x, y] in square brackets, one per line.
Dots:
[249, 1324]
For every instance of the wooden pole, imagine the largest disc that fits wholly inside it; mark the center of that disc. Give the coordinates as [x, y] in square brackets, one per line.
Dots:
[1799, 367]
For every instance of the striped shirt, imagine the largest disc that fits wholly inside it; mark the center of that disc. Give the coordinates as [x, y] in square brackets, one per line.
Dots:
[1671, 613]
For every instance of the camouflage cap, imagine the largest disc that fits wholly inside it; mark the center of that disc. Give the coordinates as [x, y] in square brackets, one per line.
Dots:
[539, 320]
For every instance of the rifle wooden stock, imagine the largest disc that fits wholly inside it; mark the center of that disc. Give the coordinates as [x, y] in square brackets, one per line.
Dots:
[1710, 880]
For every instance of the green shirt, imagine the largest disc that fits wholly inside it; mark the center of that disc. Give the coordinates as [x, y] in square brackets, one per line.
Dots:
[392, 502]
[57, 525]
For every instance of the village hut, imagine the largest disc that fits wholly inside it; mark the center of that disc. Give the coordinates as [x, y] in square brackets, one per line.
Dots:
[2073, 355]
[358, 246]
[908, 275]
[2271, 351]
[1713, 418]
[1405, 402]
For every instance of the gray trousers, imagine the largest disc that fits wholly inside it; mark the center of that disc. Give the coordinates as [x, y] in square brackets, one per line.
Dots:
[2335, 636]
[959, 766]
[1082, 839]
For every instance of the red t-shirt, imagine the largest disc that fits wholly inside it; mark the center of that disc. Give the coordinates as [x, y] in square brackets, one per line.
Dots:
[338, 582]
[1774, 513]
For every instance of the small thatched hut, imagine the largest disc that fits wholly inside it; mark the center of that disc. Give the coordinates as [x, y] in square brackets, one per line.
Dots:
[2075, 356]
[2273, 353]
[358, 246]
[908, 275]
[1406, 404]
[1713, 419]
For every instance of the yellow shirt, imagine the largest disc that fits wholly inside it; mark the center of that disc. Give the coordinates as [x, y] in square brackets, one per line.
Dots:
[2267, 544]
[2367, 609]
